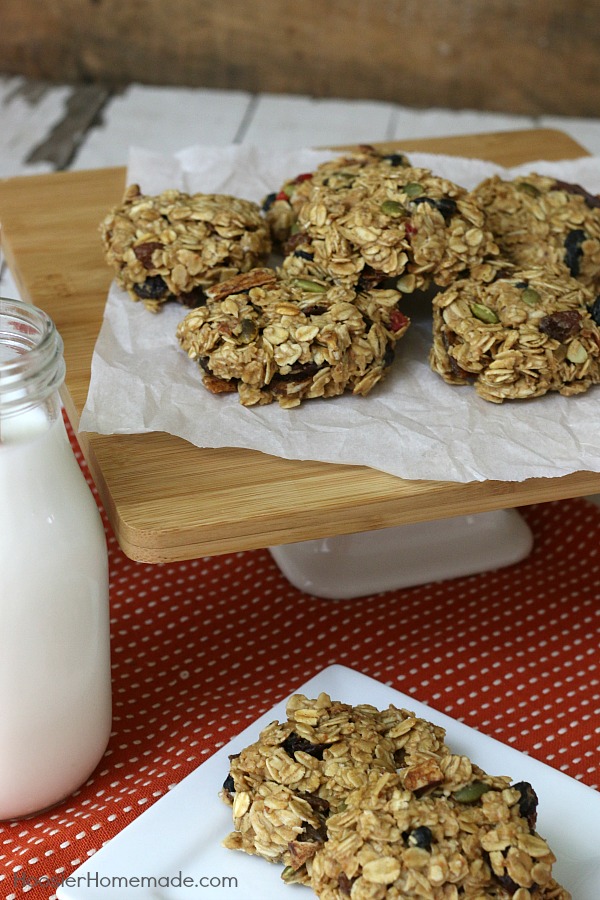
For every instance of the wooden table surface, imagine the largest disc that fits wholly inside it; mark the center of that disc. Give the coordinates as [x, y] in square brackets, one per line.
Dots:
[169, 500]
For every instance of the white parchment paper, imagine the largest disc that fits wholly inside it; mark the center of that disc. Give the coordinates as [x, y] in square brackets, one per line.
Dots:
[412, 425]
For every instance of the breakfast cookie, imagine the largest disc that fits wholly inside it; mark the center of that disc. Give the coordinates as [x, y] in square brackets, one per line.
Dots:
[373, 805]
[269, 338]
[538, 221]
[281, 207]
[174, 245]
[406, 225]
[473, 841]
[528, 332]
[284, 787]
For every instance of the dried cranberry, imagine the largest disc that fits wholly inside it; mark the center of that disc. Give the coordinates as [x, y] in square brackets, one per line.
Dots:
[153, 288]
[574, 250]
[398, 320]
[293, 743]
[144, 252]
[561, 325]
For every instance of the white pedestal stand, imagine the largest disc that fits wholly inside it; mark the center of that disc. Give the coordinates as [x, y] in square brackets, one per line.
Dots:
[355, 565]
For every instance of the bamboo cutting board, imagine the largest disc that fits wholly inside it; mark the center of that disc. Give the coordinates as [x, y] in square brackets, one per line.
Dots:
[169, 500]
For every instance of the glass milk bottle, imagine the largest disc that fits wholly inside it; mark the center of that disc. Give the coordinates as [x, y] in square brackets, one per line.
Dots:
[55, 690]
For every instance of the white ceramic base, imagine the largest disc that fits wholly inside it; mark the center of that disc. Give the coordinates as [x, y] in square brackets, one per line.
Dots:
[354, 565]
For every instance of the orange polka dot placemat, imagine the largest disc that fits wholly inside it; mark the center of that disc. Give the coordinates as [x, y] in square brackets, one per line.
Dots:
[200, 649]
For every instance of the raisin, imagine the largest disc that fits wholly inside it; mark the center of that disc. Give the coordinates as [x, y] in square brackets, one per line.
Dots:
[304, 254]
[370, 278]
[194, 298]
[591, 200]
[561, 325]
[396, 159]
[293, 243]
[312, 835]
[228, 785]
[528, 802]
[144, 252]
[445, 205]
[153, 288]
[507, 883]
[389, 356]
[420, 837]
[293, 743]
[574, 250]
[318, 804]
[269, 201]
[344, 884]
[595, 310]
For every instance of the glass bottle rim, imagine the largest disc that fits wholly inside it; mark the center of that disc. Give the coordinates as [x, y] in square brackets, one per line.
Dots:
[32, 366]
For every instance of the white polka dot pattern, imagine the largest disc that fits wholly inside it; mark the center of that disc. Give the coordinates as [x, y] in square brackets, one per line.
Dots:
[201, 648]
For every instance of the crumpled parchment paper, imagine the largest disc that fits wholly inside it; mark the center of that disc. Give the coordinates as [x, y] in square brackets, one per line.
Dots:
[412, 425]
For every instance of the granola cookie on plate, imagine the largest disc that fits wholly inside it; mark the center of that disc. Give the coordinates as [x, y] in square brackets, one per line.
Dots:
[284, 787]
[528, 332]
[174, 245]
[269, 338]
[540, 221]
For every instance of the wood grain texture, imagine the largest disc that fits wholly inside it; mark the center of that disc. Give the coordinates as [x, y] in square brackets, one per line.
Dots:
[168, 500]
[538, 57]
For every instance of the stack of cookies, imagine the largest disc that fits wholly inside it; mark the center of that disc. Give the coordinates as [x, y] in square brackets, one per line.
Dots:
[512, 269]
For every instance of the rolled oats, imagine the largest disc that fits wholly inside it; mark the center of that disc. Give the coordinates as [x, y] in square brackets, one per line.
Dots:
[528, 332]
[271, 337]
[174, 245]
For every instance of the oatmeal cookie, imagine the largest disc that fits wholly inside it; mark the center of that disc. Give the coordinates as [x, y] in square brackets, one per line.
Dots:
[469, 842]
[373, 805]
[281, 207]
[283, 788]
[407, 225]
[269, 338]
[540, 221]
[528, 332]
[174, 245]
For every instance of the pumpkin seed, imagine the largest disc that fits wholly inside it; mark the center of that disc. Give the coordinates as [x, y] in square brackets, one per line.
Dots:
[392, 208]
[528, 188]
[413, 189]
[484, 314]
[470, 793]
[530, 296]
[312, 286]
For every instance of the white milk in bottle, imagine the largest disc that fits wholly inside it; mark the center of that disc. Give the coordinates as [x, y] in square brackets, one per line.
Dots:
[55, 688]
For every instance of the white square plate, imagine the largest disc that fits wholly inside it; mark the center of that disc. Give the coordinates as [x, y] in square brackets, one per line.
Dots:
[173, 851]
